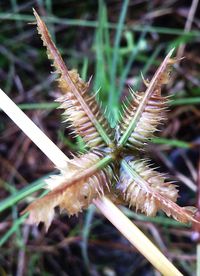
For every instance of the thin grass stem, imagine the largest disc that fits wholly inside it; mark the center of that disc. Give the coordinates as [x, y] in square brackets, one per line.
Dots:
[94, 24]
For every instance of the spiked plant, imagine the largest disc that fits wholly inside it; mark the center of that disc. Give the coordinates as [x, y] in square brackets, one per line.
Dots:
[115, 164]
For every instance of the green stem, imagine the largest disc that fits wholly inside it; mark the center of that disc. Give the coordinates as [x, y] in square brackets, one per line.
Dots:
[113, 95]
[131, 59]
[13, 199]
[85, 234]
[171, 142]
[185, 101]
[13, 229]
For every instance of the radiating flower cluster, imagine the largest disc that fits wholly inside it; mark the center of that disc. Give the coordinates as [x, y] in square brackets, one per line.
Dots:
[113, 165]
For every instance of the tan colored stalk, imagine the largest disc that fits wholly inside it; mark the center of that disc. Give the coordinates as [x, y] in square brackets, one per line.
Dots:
[198, 259]
[110, 211]
[32, 131]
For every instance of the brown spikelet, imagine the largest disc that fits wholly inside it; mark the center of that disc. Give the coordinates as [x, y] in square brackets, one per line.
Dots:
[144, 111]
[148, 191]
[82, 109]
[79, 119]
[151, 117]
[71, 199]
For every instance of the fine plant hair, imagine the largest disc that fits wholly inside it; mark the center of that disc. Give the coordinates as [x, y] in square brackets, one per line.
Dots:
[115, 163]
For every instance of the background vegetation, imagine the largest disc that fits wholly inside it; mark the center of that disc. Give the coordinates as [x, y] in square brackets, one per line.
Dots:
[113, 41]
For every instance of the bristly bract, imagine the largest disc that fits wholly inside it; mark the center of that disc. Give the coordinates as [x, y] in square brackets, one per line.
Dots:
[115, 164]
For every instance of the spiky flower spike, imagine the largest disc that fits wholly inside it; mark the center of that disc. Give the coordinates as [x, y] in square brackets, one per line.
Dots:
[111, 166]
